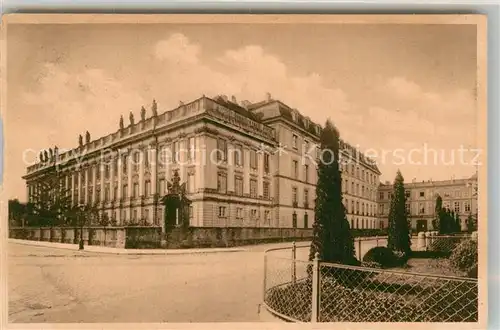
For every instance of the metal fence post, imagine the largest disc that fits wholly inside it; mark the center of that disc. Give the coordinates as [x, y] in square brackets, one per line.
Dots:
[294, 266]
[315, 289]
[359, 249]
[265, 276]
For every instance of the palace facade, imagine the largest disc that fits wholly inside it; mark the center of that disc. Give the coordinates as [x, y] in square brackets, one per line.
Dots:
[243, 165]
[458, 195]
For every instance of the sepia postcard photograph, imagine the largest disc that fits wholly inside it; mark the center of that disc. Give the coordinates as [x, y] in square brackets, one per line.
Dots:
[255, 169]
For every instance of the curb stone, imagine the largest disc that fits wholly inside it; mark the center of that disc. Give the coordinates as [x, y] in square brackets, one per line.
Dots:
[108, 250]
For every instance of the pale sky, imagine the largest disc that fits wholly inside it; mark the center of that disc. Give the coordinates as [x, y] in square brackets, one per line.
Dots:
[386, 87]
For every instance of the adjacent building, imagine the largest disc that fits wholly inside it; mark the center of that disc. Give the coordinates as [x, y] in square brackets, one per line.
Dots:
[458, 195]
[243, 164]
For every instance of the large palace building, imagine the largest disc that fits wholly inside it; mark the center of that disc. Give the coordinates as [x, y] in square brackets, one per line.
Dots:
[243, 165]
[458, 195]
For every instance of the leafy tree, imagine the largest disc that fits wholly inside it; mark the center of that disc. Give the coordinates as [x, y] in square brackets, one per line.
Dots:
[17, 212]
[471, 224]
[332, 238]
[50, 202]
[399, 228]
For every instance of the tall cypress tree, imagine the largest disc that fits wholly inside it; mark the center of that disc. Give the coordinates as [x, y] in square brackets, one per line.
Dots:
[458, 225]
[438, 215]
[399, 228]
[331, 234]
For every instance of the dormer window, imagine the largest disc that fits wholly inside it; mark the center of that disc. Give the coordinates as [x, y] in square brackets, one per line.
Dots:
[306, 122]
[294, 115]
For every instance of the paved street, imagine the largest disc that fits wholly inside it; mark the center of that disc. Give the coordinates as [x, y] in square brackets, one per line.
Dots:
[58, 285]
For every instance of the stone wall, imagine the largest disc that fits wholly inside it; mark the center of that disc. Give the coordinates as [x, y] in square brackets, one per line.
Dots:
[200, 237]
[152, 237]
[100, 236]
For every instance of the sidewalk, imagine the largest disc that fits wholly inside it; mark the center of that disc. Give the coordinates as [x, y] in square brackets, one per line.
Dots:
[110, 250]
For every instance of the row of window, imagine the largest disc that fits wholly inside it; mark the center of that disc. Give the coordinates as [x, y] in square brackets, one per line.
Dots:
[358, 190]
[295, 171]
[295, 197]
[365, 224]
[253, 214]
[354, 223]
[147, 216]
[305, 223]
[458, 207]
[125, 190]
[354, 208]
[237, 152]
[422, 194]
[239, 186]
[361, 174]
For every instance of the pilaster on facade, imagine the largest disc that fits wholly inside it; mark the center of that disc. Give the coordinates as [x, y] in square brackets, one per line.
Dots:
[66, 185]
[86, 184]
[154, 161]
[94, 185]
[129, 175]
[142, 157]
[79, 187]
[246, 170]
[260, 169]
[101, 169]
[112, 182]
[73, 197]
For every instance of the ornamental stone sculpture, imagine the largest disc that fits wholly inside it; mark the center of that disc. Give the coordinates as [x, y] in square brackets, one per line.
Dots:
[131, 117]
[87, 137]
[143, 113]
[154, 108]
[121, 122]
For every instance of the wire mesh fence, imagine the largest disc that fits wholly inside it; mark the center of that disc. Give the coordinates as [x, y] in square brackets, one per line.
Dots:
[355, 294]
[299, 290]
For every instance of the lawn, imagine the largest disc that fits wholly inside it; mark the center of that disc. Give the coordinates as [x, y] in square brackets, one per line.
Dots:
[357, 295]
[435, 266]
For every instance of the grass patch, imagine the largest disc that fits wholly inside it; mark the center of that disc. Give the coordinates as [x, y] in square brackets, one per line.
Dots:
[381, 297]
[436, 266]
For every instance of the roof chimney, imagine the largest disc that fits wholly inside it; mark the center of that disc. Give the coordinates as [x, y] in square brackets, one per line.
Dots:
[268, 97]
[233, 99]
[224, 97]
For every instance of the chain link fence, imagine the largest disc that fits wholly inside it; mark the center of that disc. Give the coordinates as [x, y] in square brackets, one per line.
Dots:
[299, 290]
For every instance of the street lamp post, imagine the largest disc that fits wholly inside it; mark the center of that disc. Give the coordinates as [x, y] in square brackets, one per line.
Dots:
[80, 218]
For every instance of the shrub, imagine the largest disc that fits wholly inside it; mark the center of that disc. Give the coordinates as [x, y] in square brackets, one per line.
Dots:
[464, 256]
[384, 257]
[472, 272]
[444, 245]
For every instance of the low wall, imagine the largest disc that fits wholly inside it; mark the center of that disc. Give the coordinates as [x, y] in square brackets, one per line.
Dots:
[199, 237]
[152, 237]
[99, 236]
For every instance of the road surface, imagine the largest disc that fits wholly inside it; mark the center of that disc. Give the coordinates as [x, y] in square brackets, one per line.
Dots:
[66, 286]
[56, 285]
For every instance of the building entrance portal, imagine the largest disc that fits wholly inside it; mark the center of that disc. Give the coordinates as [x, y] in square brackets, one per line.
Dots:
[176, 204]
